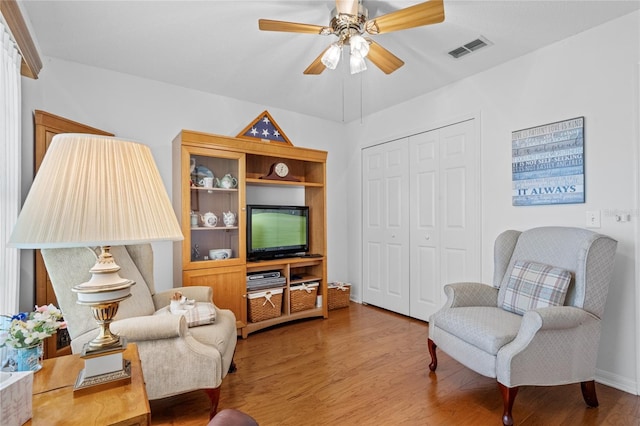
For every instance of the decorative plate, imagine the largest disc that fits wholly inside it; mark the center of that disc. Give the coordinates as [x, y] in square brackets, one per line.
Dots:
[200, 173]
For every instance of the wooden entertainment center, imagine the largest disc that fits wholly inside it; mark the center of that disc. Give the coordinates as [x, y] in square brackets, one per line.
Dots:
[253, 164]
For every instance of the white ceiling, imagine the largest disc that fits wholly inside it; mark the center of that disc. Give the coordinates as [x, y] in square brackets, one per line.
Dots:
[215, 46]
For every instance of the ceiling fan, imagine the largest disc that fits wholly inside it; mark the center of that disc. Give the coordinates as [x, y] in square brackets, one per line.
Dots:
[351, 24]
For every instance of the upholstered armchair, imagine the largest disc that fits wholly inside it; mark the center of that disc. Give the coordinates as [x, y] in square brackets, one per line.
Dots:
[175, 358]
[539, 324]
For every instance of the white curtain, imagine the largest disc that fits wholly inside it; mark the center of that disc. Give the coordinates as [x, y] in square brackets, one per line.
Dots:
[10, 169]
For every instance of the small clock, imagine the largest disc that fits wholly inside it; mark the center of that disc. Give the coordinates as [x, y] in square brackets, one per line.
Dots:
[279, 171]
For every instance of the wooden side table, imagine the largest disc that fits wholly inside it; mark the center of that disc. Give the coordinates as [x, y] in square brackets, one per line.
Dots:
[55, 404]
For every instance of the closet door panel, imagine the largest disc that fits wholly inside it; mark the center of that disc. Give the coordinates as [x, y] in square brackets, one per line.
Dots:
[385, 183]
[424, 246]
[423, 290]
[396, 274]
[454, 198]
[460, 213]
[373, 274]
[454, 267]
[373, 197]
[394, 213]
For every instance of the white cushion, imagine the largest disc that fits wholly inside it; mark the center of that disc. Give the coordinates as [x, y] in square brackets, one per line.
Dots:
[487, 328]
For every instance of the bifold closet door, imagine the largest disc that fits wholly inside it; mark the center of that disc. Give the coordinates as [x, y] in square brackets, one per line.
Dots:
[385, 207]
[445, 214]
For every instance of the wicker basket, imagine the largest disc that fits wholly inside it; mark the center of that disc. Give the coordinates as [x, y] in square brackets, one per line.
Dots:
[303, 297]
[265, 305]
[338, 295]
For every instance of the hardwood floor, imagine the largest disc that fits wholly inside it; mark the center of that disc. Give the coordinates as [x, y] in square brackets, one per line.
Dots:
[368, 366]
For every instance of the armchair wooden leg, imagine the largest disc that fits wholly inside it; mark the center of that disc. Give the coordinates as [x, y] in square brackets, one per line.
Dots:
[589, 393]
[214, 397]
[432, 352]
[508, 396]
[233, 368]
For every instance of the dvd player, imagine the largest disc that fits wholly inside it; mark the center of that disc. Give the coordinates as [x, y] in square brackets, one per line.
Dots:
[266, 283]
[262, 275]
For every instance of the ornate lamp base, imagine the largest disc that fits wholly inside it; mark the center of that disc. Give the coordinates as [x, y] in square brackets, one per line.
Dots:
[103, 313]
[104, 366]
[103, 293]
[103, 369]
[92, 384]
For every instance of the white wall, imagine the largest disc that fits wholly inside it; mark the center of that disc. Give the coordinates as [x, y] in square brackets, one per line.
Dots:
[593, 75]
[154, 113]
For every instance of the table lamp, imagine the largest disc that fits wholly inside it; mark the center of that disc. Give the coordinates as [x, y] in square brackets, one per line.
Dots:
[97, 191]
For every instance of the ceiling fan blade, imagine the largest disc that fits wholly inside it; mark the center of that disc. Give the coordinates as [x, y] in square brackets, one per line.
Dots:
[431, 12]
[349, 7]
[383, 59]
[316, 66]
[290, 27]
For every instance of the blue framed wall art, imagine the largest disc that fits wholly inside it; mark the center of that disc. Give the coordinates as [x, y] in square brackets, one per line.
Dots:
[548, 164]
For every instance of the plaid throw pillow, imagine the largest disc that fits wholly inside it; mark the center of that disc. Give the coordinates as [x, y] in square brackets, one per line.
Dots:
[534, 285]
[200, 314]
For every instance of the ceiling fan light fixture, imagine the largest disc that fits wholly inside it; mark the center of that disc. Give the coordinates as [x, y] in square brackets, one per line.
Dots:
[357, 64]
[350, 22]
[359, 46]
[331, 57]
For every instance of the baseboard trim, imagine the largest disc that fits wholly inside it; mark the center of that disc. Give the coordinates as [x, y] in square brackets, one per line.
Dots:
[616, 381]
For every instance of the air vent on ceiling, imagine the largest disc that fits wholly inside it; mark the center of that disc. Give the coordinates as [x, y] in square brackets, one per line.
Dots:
[470, 47]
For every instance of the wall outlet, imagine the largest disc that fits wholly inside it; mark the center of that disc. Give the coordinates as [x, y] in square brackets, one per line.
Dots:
[593, 219]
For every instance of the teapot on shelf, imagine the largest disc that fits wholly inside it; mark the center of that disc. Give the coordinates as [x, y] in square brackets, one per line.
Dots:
[227, 182]
[209, 219]
[228, 218]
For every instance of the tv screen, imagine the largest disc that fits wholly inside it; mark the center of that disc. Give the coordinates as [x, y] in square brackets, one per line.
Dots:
[277, 231]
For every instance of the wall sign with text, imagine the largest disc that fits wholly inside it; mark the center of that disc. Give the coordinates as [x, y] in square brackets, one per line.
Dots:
[548, 164]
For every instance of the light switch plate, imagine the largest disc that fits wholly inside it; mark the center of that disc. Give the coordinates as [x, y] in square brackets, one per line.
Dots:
[593, 219]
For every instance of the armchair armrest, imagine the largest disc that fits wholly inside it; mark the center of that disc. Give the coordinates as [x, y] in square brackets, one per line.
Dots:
[470, 294]
[198, 293]
[553, 318]
[151, 327]
[560, 338]
[557, 318]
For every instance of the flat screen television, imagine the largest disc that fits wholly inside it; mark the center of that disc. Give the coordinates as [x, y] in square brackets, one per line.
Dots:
[276, 231]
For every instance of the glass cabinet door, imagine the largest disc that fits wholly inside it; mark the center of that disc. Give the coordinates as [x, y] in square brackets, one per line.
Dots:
[215, 202]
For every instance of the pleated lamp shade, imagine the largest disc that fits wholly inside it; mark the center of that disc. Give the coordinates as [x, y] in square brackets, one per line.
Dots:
[95, 191]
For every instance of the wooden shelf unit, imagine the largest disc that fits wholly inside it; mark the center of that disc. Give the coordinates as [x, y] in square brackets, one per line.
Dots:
[248, 161]
[309, 269]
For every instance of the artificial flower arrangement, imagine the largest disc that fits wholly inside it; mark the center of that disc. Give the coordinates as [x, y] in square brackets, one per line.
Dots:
[30, 329]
